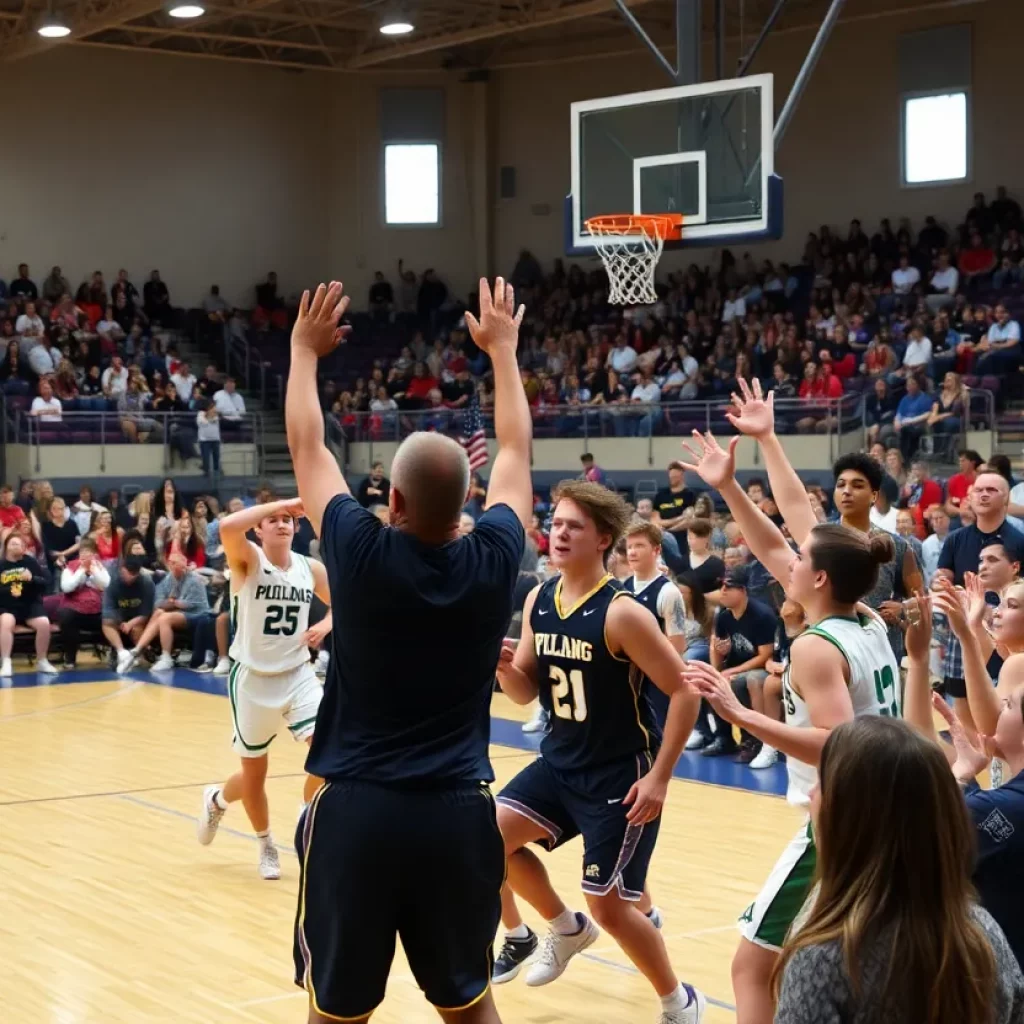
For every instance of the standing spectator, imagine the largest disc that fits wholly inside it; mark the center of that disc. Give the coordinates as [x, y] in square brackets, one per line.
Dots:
[55, 287]
[976, 263]
[961, 553]
[82, 583]
[23, 288]
[375, 489]
[931, 547]
[742, 643]
[23, 581]
[46, 406]
[124, 294]
[912, 417]
[907, 529]
[208, 429]
[382, 297]
[157, 301]
[218, 312]
[959, 484]
[181, 601]
[127, 607]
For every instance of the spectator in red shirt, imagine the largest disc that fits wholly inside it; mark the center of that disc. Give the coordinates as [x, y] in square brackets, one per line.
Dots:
[958, 485]
[976, 262]
[10, 513]
[819, 384]
[420, 387]
[920, 492]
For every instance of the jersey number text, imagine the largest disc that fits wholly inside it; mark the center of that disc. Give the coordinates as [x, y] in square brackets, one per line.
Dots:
[577, 710]
[281, 620]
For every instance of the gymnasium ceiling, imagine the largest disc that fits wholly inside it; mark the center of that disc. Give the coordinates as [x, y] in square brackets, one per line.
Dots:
[342, 35]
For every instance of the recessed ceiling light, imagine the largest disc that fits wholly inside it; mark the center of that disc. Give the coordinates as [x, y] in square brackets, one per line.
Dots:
[52, 26]
[186, 11]
[396, 28]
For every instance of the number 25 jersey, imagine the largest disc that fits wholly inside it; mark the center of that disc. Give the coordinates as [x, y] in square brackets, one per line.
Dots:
[270, 613]
[593, 696]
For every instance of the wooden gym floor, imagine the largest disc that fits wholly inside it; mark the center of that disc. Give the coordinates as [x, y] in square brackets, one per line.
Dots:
[113, 914]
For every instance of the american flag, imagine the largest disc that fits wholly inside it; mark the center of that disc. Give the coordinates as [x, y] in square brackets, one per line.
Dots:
[473, 438]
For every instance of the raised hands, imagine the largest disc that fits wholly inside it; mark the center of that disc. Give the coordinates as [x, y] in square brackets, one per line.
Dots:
[946, 599]
[919, 630]
[754, 414]
[497, 324]
[316, 330]
[970, 758]
[715, 465]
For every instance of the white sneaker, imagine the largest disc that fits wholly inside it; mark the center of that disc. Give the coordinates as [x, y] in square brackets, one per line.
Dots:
[692, 1014]
[766, 757]
[696, 740]
[125, 661]
[539, 722]
[270, 862]
[223, 667]
[165, 663]
[209, 817]
[205, 669]
[44, 667]
[6, 669]
[557, 950]
[184, 659]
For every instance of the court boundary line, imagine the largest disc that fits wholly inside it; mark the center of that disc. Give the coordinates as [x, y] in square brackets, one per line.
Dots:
[122, 689]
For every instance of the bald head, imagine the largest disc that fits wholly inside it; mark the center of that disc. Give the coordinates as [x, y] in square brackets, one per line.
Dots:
[429, 484]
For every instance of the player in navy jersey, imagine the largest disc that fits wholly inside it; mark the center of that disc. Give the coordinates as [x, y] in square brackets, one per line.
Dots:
[402, 839]
[586, 646]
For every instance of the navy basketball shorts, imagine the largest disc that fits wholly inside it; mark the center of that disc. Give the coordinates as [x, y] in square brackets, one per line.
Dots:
[379, 863]
[588, 802]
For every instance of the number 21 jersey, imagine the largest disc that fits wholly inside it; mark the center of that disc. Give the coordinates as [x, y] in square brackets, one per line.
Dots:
[593, 696]
[270, 613]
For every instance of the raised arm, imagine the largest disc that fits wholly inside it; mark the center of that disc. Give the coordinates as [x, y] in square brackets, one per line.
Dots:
[497, 334]
[754, 415]
[315, 334]
[238, 550]
[717, 468]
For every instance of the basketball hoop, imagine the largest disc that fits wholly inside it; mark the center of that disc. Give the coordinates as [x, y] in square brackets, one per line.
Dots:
[630, 246]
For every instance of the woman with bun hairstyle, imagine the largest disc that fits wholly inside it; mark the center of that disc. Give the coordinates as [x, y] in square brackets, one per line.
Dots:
[840, 668]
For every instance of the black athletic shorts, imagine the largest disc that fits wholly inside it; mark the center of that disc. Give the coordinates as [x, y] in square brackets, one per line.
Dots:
[379, 863]
[24, 612]
[588, 802]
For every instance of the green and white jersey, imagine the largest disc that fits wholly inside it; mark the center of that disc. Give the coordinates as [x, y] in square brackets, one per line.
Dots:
[270, 612]
[874, 685]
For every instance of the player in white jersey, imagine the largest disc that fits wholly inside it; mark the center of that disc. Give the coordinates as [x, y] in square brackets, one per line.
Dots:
[272, 679]
[840, 667]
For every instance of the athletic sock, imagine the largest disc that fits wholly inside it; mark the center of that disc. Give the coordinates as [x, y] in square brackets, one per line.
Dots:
[567, 923]
[265, 836]
[218, 799]
[521, 932]
[678, 1000]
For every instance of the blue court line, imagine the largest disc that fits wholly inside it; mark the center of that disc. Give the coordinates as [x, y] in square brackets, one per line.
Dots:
[691, 767]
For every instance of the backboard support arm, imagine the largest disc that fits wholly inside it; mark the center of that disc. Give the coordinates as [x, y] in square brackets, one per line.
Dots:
[686, 70]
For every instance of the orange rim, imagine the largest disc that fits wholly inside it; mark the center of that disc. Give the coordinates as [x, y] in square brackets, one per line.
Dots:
[660, 225]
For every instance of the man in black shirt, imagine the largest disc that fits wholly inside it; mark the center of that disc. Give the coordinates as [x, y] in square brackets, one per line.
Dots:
[670, 502]
[23, 288]
[705, 567]
[375, 489]
[402, 838]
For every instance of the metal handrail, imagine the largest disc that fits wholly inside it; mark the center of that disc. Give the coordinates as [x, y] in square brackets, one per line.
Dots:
[984, 394]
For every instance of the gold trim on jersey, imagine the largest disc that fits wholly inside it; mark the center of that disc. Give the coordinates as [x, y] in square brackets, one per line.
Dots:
[608, 646]
[582, 601]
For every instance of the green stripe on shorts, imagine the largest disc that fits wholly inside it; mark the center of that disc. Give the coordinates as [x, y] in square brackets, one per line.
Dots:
[302, 725]
[790, 898]
[232, 680]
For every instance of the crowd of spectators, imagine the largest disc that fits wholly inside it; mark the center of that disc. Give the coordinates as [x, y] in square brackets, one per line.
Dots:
[122, 574]
[902, 317]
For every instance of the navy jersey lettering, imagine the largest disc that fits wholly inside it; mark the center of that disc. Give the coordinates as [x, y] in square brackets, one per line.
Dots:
[597, 711]
[416, 638]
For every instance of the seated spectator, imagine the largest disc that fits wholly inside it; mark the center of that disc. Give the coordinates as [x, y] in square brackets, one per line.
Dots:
[943, 284]
[46, 407]
[30, 325]
[839, 965]
[10, 513]
[879, 411]
[230, 405]
[879, 359]
[180, 433]
[84, 510]
[65, 382]
[104, 535]
[157, 301]
[56, 286]
[127, 607]
[976, 263]
[44, 357]
[110, 332]
[23, 582]
[375, 489]
[912, 415]
[132, 405]
[115, 379]
[82, 583]
[646, 393]
[920, 493]
[949, 410]
[182, 539]
[818, 387]
[65, 313]
[181, 601]
[999, 348]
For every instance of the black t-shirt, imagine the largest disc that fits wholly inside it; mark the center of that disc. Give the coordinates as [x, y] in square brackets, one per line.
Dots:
[366, 499]
[708, 574]
[456, 389]
[58, 538]
[754, 628]
[417, 634]
[381, 292]
[961, 550]
[23, 288]
[670, 504]
[17, 593]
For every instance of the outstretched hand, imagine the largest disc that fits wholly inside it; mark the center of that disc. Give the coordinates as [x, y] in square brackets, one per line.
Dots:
[971, 758]
[919, 632]
[316, 329]
[497, 325]
[714, 464]
[754, 414]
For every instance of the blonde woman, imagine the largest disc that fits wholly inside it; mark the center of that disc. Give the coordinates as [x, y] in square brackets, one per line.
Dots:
[949, 410]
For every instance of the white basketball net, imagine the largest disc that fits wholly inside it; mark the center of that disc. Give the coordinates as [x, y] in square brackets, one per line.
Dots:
[630, 263]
